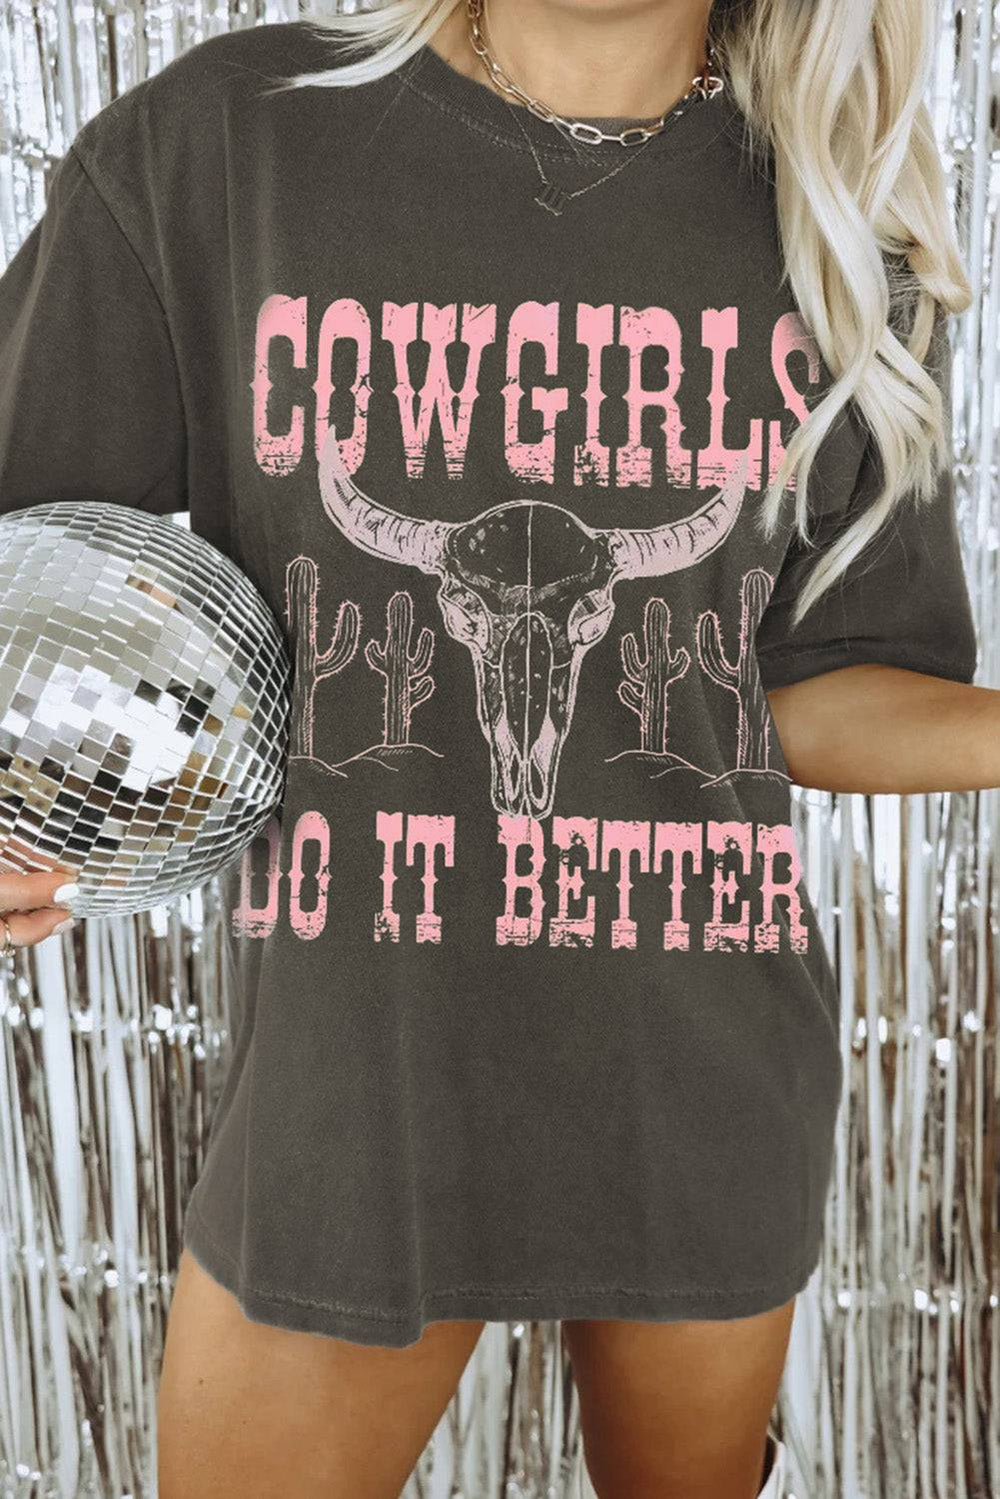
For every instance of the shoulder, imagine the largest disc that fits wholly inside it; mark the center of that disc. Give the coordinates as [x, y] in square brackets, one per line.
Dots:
[167, 153]
[179, 114]
[251, 58]
[739, 165]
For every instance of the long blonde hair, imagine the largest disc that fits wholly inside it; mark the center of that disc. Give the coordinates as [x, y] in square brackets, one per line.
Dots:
[833, 94]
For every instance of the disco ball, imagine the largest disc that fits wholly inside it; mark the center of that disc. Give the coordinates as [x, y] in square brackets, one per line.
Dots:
[144, 704]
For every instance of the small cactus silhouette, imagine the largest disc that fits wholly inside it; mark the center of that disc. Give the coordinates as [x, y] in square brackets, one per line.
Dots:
[651, 675]
[741, 676]
[407, 682]
[311, 664]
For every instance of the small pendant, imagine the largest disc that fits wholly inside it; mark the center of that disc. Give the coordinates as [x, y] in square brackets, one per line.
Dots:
[553, 198]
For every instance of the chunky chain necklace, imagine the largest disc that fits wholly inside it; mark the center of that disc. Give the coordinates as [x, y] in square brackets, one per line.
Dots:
[555, 198]
[705, 85]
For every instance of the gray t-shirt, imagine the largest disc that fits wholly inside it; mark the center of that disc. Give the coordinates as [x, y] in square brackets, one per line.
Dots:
[535, 1016]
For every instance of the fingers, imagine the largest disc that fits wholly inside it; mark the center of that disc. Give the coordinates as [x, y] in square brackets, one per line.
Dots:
[29, 892]
[29, 907]
[27, 928]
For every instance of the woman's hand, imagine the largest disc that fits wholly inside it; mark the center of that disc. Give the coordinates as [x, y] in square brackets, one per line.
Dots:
[31, 907]
[872, 728]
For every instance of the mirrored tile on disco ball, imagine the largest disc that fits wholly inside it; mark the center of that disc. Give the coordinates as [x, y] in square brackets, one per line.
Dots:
[144, 703]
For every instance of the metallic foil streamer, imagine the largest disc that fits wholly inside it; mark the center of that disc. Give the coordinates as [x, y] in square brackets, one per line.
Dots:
[114, 1039]
[144, 704]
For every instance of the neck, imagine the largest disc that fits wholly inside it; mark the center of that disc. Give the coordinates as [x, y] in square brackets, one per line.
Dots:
[584, 58]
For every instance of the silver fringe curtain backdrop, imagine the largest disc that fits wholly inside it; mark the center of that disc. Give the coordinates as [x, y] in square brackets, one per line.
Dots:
[114, 1039]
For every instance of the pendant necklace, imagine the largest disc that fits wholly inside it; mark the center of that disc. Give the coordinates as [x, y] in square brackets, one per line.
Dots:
[552, 196]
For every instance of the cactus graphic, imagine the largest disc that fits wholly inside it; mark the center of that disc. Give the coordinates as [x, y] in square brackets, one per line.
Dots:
[741, 676]
[311, 664]
[650, 676]
[407, 682]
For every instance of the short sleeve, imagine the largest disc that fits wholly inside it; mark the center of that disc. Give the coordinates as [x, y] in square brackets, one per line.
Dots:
[903, 601]
[90, 403]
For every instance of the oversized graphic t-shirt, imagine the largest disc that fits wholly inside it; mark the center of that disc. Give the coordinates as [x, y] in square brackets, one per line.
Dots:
[535, 1017]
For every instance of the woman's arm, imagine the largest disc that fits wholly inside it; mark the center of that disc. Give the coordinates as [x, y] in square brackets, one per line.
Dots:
[873, 728]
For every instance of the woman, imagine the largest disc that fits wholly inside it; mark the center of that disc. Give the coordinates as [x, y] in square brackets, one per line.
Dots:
[573, 380]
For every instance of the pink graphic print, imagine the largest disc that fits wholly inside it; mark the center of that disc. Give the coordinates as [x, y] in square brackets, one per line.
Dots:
[774, 841]
[279, 319]
[570, 834]
[653, 327]
[280, 421]
[720, 333]
[594, 332]
[311, 827]
[673, 843]
[650, 675]
[527, 588]
[452, 408]
[594, 899]
[725, 838]
[675, 853]
[407, 681]
[627, 845]
[312, 665]
[249, 920]
[283, 319]
[428, 834]
[740, 676]
[538, 323]
[517, 834]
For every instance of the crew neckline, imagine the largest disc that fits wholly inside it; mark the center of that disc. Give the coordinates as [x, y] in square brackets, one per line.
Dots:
[428, 73]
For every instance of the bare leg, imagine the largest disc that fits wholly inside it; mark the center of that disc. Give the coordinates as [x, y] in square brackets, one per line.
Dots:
[248, 1411]
[677, 1410]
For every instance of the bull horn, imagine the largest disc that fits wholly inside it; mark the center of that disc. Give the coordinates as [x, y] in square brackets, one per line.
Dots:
[373, 527]
[665, 549]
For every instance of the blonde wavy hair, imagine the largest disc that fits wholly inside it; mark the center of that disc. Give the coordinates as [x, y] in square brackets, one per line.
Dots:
[833, 95]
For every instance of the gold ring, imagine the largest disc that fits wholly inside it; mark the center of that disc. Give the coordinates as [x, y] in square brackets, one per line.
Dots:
[7, 950]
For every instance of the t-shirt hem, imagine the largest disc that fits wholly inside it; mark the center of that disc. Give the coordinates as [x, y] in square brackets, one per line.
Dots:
[777, 670]
[490, 1303]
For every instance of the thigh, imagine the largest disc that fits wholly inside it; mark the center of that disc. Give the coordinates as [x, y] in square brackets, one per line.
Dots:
[259, 1412]
[677, 1410]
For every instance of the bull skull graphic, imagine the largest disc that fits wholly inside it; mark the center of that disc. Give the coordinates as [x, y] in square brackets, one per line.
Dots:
[527, 587]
